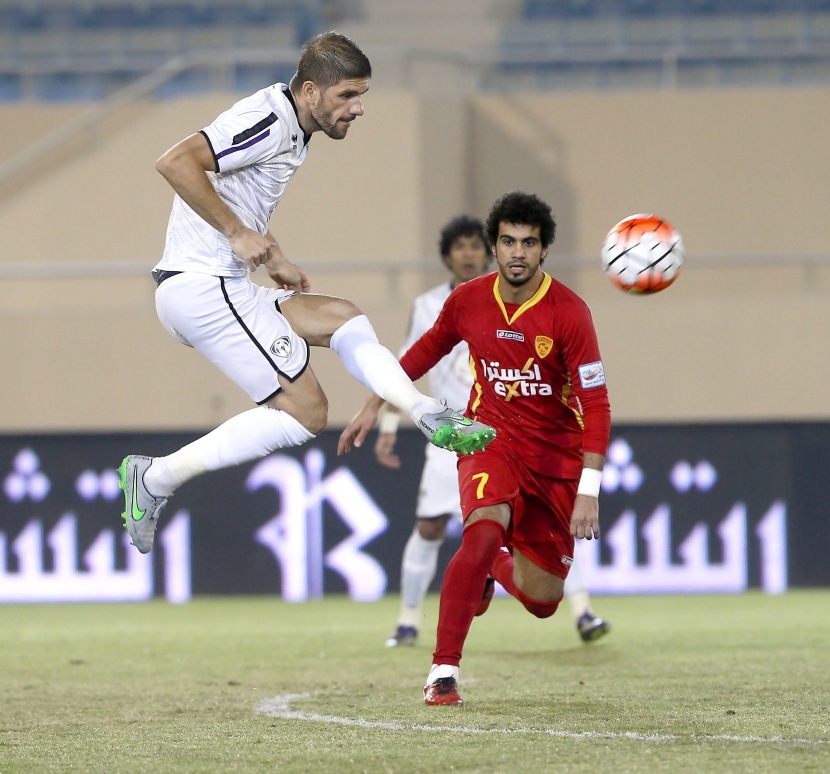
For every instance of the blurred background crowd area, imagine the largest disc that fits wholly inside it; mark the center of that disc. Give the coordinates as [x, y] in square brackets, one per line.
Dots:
[82, 49]
[711, 113]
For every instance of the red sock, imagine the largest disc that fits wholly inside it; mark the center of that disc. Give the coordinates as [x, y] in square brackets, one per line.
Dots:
[502, 571]
[537, 608]
[462, 588]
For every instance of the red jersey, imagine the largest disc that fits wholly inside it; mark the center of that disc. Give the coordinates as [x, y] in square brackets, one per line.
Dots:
[539, 378]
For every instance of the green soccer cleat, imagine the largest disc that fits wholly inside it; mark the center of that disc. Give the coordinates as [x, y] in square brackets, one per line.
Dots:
[451, 430]
[141, 511]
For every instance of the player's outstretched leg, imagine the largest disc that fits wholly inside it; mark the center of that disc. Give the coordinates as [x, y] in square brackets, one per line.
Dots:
[450, 429]
[441, 688]
[141, 511]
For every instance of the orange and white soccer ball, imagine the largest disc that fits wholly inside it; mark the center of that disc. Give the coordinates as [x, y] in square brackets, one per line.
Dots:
[642, 254]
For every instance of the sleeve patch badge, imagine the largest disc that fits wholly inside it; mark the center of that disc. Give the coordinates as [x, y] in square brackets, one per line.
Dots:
[592, 375]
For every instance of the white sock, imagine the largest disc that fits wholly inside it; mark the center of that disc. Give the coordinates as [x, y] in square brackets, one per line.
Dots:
[377, 368]
[245, 437]
[418, 568]
[577, 592]
[437, 671]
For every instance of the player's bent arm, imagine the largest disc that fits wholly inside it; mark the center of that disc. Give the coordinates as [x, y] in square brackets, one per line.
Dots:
[185, 167]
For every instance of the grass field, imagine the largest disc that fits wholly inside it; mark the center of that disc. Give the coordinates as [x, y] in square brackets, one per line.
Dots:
[696, 684]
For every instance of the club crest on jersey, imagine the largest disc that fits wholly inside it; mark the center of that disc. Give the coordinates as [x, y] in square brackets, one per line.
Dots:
[281, 347]
[512, 335]
[592, 374]
[544, 345]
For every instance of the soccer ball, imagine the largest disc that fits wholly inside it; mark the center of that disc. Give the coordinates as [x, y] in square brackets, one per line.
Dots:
[642, 254]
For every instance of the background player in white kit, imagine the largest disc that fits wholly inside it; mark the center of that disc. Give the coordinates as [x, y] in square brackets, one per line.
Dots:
[465, 252]
[228, 179]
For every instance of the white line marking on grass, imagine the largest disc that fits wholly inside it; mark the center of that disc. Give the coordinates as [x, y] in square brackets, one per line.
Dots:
[280, 707]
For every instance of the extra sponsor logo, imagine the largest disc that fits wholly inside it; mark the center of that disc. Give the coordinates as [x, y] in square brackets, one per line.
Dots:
[282, 347]
[515, 382]
[567, 560]
[512, 335]
[592, 374]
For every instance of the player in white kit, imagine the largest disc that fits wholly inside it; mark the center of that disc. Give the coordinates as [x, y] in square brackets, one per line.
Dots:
[228, 179]
[464, 251]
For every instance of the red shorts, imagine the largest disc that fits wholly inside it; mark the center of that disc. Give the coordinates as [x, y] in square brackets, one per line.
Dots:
[540, 528]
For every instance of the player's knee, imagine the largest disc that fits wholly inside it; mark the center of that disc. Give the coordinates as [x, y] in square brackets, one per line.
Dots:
[344, 311]
[432, 529]
[312, 415]
[537, 607]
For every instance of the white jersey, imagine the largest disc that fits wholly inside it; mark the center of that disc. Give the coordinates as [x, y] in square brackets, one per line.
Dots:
[451, 378]
[257, 146]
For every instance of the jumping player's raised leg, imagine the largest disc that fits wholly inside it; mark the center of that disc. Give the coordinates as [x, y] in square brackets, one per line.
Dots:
[325, 321]
[236, 325]
[293, 417]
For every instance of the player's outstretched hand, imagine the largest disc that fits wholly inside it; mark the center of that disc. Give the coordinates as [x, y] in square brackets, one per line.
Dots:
[360, 426]
[385, 451]
[585, 519]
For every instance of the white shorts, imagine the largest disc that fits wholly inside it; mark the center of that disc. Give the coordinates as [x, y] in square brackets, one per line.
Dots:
[438, 493]
[237, 325]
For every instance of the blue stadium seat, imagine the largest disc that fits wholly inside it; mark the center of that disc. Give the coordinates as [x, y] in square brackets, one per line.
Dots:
[11, 88]
[69, 87]
[250, 78]
[21, 16]
[551, 9]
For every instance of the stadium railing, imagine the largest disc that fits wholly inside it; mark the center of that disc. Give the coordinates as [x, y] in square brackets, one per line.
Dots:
[84, 49]
[561, 9]
[607, 43]
[807, 264]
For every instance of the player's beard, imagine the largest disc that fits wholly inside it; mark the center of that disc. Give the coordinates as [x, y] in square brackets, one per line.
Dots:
[336, 129]
[517, 282]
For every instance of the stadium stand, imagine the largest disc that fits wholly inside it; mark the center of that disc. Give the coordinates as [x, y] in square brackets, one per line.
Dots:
[82, 49]
[86, 49]
[596, 43]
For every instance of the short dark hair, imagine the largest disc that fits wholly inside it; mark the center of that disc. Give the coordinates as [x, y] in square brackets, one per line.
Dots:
[329, 58]
[462, 226]
[522, 209]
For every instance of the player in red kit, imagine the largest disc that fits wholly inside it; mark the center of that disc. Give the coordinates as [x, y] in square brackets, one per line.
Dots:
[540, 382]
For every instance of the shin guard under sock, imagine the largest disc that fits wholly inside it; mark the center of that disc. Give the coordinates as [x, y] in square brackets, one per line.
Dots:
[463, 586]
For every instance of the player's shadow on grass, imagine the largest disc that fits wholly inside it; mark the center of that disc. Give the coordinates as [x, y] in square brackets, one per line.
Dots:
[579, 655]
